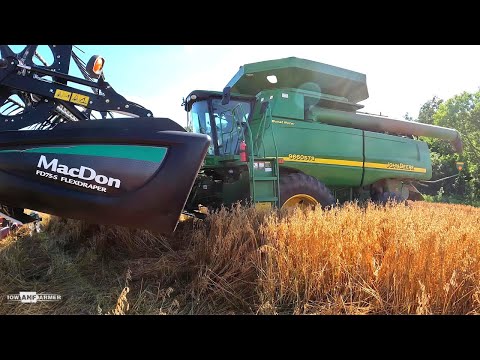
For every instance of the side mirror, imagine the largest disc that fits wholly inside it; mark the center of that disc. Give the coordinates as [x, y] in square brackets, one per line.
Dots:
[226, 95]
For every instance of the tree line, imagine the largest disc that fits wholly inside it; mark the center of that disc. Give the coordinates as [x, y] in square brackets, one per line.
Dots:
[461, 112]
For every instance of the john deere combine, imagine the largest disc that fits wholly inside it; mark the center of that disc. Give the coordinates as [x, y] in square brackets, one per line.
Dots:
[282, 133]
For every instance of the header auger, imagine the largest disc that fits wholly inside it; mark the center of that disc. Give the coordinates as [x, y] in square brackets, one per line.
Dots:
[282, 133]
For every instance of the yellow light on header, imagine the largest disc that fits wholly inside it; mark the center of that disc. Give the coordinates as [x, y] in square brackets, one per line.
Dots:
[95, 66]
[98, 65]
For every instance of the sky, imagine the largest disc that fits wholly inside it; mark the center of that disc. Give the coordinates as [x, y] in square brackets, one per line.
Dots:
[400, 78]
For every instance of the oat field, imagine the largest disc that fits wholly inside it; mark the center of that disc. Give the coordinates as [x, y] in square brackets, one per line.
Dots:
[418, 259]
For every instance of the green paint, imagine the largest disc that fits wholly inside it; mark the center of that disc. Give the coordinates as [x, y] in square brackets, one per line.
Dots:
[312, 114]
[302, 74]
[133, 152]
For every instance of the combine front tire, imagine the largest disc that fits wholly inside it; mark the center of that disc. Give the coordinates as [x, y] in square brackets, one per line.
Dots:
[304, 191]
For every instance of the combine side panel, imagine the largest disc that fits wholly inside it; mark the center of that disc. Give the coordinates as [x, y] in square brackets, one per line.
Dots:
[388, 156]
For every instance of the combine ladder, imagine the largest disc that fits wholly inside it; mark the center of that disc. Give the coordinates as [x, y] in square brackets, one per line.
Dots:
[264, 182]
[264, 171]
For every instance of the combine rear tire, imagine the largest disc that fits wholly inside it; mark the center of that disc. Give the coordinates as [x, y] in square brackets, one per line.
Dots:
[304, 191]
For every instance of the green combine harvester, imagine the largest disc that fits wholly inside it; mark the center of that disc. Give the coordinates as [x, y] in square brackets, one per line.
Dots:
[283, 133]
[288, 132]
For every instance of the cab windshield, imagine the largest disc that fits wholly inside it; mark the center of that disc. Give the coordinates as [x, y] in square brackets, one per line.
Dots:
[223, 123]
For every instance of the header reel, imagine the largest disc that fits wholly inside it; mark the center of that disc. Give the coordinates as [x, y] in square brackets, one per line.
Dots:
[38, 96]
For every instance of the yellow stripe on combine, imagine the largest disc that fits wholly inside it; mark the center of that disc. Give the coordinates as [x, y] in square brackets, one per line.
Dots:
[327, 161]
[353, 163]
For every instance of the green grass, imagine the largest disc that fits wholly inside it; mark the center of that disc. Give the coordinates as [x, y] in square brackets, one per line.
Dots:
[449, 199]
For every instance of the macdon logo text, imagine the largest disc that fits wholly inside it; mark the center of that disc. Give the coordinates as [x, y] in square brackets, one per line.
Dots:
[83, 172]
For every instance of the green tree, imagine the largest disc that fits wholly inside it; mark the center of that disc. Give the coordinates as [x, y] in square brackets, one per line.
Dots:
[461, 112]
[428, 110]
